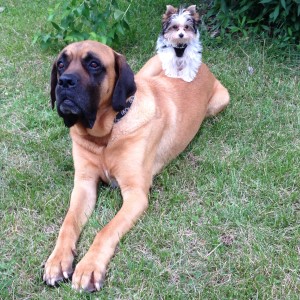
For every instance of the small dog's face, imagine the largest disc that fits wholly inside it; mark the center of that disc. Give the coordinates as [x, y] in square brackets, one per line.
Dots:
[180, 26]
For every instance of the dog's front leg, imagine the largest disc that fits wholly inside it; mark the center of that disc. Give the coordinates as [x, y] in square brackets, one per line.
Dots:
[83, 199]
[90, 272]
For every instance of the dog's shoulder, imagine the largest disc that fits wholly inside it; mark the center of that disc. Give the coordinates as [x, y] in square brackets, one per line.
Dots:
[142, 111]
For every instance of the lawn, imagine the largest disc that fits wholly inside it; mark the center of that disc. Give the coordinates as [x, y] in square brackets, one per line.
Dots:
[224, 217]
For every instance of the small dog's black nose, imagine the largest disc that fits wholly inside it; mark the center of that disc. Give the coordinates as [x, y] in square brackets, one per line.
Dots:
[181, 35]
[68, 81]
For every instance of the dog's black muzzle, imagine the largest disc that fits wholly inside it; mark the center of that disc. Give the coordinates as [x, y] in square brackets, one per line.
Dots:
[68, 80]
[73, 102]
[69, 108]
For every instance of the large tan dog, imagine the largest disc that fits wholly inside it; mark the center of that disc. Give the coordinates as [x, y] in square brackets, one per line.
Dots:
[90, 84]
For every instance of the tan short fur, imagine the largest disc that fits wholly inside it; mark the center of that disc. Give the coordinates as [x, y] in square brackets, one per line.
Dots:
[164, 117]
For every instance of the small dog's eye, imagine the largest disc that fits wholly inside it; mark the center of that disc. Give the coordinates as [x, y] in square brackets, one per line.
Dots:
[186, 27]
[60, 65]
[175, 27]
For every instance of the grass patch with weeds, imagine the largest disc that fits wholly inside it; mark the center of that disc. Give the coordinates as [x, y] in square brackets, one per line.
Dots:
[223, 221]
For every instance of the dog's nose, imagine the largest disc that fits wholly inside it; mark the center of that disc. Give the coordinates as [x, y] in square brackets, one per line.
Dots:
[68, 81]
[181, 35]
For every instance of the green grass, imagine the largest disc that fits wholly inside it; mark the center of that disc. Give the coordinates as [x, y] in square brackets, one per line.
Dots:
[223, 221]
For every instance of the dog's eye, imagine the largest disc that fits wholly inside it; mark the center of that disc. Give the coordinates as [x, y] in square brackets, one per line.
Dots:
[94, 65]
[186, 27]
[60, 65]
[175, 27]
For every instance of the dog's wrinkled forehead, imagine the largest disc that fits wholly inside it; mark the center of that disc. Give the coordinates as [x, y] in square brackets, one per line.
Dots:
[73, 61]
[88, 51]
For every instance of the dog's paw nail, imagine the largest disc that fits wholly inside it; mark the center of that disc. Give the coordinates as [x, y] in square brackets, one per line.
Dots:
[66, 275]
[98, 286]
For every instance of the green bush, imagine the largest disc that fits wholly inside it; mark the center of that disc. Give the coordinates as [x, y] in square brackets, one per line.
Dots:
[77, 20]
[275, 18]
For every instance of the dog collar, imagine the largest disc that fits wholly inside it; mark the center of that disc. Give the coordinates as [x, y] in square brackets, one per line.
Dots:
[179, 50]
[124, 111]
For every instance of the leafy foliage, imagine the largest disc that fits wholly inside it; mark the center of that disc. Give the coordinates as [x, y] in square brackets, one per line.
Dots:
[77, 20]
[275, 18]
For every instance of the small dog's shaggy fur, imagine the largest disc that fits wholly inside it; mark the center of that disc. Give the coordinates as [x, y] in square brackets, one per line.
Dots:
[178, 46]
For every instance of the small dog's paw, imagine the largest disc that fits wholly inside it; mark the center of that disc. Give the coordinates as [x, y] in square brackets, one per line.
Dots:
[187, 78]
[89, 274]
[58, 268]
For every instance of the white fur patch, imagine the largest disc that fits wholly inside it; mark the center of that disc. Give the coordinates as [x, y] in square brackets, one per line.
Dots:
[185, 67]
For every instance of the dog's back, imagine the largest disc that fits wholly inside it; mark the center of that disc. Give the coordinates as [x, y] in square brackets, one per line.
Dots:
[182, 105]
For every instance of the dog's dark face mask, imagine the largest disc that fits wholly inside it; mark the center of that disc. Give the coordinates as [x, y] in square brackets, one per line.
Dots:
[77, 93]
[77, 83]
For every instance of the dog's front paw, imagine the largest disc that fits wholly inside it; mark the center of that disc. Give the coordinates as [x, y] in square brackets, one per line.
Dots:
[58, 267]
[89, 274]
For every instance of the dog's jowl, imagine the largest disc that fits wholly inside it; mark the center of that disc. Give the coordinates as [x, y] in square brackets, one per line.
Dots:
[124, 129]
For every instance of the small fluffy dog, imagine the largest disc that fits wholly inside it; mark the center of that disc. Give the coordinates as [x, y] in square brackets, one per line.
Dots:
[179, 46]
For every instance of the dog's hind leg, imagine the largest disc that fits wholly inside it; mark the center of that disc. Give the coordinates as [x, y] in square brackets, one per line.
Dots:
[218, 101]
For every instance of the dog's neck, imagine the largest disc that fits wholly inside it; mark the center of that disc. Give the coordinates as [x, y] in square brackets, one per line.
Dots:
[179, 49]
[123, 112]
[105, 121]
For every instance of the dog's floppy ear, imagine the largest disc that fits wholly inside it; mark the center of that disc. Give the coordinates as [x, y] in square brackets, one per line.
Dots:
[125, 85]
[53, 84]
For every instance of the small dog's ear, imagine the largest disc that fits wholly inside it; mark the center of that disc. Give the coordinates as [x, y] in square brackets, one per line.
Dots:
[53, 84]
[171, 10]
[192, 9]
[193, 12]
[125, 85]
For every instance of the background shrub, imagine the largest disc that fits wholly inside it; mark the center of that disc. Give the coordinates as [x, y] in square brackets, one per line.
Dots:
[77, 20]
[274, 18]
